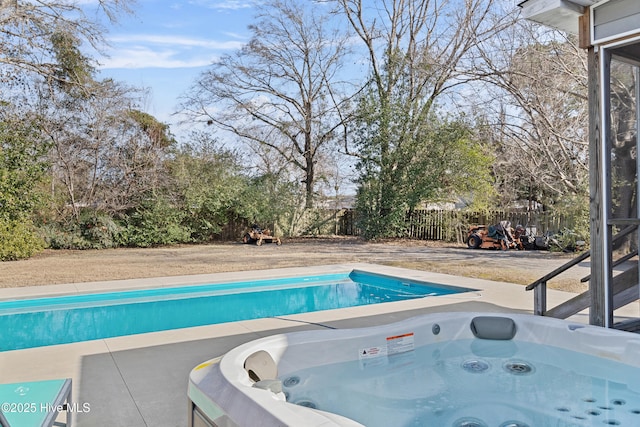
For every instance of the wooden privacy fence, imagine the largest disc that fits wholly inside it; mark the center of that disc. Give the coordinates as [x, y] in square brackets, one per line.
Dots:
[448, 225]
[453, 225]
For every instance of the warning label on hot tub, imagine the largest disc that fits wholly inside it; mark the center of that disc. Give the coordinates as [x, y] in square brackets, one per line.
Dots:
[400, 343]
[395, 345]
[372, 352]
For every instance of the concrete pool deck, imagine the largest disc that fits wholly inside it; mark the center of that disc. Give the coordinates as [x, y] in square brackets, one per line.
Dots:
[141, 380]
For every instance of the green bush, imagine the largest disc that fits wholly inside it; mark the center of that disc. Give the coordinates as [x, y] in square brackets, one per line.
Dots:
[576, 237]
[155, 223]
[100, 231]
[568, 240]
[58, 237]
[92, 231]
[19, 240]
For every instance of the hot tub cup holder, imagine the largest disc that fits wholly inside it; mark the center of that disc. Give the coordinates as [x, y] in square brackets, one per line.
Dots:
[274, 386]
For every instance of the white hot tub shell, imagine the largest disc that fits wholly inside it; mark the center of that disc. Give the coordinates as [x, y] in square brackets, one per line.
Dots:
[242, 387]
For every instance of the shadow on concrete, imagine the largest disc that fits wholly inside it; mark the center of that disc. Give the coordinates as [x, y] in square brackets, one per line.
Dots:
[148, 386]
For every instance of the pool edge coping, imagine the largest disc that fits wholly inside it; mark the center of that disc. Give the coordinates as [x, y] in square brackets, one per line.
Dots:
[64, 289]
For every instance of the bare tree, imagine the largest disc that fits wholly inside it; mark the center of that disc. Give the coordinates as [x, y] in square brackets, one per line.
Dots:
[419, 52]
[536, 110]
[105, 154]
[280, 90]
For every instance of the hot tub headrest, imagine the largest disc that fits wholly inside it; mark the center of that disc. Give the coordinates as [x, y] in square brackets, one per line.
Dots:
[260, 366]
[493, 328]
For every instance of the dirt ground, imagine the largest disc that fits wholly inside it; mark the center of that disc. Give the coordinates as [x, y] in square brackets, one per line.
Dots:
[66, 266]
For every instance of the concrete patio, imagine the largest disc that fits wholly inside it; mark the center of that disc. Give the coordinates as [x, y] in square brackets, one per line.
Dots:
[141, 380]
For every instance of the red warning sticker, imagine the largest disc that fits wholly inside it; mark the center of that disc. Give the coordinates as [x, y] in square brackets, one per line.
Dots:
[400, 343]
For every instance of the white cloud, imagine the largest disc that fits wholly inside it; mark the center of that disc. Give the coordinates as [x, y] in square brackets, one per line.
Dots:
[175, 41]
[235, 35]
[144, 57]
[228, 4]
[162, 51]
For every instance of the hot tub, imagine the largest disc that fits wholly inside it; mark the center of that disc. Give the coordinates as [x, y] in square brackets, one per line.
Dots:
[444, 370]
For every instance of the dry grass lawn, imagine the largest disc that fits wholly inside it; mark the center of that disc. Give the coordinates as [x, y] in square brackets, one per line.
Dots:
[66, 266]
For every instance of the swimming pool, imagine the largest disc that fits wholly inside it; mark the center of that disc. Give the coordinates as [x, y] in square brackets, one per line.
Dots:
[445, 370]
[57, 320]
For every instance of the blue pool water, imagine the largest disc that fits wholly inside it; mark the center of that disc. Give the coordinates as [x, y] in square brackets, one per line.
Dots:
[59, 320]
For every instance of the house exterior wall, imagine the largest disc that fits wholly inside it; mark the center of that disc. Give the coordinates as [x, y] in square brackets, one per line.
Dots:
[614, 19]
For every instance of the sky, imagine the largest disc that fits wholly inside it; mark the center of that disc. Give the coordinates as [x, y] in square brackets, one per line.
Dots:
[165, 45]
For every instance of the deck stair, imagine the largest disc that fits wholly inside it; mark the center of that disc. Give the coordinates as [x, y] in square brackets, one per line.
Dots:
[625, 289]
